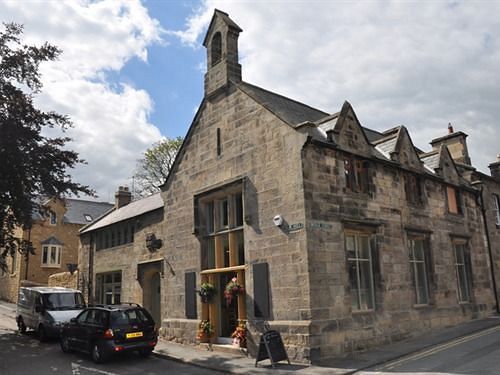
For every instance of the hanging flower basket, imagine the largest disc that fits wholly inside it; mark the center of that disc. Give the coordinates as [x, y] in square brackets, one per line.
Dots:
[207, 292]
[232, 290]
[205, 331]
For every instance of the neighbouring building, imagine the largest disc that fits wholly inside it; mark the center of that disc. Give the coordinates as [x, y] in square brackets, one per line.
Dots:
[124, 249]
[54, 235]
[343, 237]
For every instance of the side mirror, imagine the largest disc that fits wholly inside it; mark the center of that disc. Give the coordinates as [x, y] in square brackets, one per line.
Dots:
[73, 321]
[38, 308]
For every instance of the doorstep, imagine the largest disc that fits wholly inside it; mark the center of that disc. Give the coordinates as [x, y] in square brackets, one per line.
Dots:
[226, 348]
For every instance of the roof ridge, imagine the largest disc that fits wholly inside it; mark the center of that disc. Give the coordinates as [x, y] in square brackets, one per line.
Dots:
[282, 96]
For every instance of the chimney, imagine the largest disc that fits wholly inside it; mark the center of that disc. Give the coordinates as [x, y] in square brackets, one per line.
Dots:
[122, 197]
[456, 143]
[495, 168]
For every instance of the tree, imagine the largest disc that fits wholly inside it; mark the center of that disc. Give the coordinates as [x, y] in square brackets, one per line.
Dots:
[31, 164]
[153, 168]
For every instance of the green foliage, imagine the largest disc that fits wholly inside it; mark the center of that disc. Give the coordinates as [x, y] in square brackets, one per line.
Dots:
[31, 164]
[155, 165]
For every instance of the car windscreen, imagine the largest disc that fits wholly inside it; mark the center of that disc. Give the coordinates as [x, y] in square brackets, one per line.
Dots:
[63, 301]
[131, 316]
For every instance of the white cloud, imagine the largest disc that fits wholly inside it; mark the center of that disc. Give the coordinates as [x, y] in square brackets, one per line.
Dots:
[111, 127]
[421, 64]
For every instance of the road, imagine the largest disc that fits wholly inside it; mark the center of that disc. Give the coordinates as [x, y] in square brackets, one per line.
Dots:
[24, 354]
[474, 354]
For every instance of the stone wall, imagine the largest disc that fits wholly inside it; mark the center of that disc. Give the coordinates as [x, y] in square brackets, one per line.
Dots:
[336, 330]
[64, 279]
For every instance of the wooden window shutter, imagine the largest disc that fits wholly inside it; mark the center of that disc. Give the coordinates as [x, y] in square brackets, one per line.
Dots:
[452, 199]
[190, 295]
[261, 290]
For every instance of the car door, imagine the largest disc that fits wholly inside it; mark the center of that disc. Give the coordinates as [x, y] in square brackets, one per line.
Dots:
[76, 331]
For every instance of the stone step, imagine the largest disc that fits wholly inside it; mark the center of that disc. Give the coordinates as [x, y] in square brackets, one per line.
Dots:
[226, 348]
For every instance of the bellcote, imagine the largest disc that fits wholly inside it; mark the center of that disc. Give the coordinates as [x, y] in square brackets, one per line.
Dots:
[221, 42]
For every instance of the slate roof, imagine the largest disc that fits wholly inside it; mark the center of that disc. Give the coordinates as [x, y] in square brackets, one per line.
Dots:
[76, 210]
[387, 145]
[290, 111]
[431, 160]
[133, 209]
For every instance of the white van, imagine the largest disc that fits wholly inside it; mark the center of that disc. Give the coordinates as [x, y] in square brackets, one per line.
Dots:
[44, 309]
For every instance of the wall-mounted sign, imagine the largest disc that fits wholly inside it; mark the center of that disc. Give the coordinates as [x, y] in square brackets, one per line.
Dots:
[323, 226]
[295, 227]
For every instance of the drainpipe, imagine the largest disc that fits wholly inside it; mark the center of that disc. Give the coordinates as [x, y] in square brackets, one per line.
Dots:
[27, 255]
[91, 269]
[490, 253]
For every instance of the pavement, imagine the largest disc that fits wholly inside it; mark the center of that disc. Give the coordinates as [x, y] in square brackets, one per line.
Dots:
[233, 361]
[240, 364]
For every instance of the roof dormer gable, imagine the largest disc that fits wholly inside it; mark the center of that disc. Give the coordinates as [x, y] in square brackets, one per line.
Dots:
[404, 151]
[348, 133]
[447, 168]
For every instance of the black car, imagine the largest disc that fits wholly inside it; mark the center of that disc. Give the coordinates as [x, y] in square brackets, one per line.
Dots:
[103, 330]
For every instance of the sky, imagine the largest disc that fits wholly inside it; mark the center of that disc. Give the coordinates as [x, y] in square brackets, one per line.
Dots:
[131, 72]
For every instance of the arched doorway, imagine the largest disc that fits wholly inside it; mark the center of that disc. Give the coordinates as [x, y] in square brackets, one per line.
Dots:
[149, 276]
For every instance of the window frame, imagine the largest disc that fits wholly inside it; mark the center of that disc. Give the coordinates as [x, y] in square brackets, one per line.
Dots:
[356, 174]
[52, 218]
[415, 263]
[457, 200]
[496, 209]
[58, 256]
[356, 260]
[462, 244]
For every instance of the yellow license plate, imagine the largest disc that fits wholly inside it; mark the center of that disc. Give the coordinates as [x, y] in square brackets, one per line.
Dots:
[133, 334]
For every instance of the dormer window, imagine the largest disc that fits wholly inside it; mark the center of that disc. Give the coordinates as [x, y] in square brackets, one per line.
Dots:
[453, 200]
[356, 174]
[216, 48]
[53, 218]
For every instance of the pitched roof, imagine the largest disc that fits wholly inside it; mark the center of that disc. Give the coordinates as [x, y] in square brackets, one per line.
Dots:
[431, 160]
[133, 209]
[83, 212]
[387, 145]
[78, 211]
[288, 110]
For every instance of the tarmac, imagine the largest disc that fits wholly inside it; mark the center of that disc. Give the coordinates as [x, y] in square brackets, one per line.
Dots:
[234, 361]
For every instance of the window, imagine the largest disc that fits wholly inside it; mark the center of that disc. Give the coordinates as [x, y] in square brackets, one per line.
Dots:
[413, 189]
[88, 218]
[51, 255]
[462, 263]
[356, 174]
[453, 199]
[219, 143]
[418, 267]
[115, 235]
[359, 263]
[108, 287]
[216, 48]
[496, 208]
[53, 218]
[223, 244]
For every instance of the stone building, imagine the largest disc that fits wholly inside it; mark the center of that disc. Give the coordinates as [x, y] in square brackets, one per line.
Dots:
[343, 237]
[125, 264]
[54, 235]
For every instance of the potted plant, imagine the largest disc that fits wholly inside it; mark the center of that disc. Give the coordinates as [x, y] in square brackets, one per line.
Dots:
[239, 336]
[207, 292]
[233, 289]
[205, 331]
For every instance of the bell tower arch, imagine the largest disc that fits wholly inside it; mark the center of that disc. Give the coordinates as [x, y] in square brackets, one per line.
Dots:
[221, 42]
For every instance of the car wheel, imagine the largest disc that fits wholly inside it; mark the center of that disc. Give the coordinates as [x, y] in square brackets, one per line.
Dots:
[21, 326]
[65, 344]
[97, 354]
[42, 334]
[145, 352]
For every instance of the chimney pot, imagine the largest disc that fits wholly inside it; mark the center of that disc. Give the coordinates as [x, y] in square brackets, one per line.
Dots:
[450, 128]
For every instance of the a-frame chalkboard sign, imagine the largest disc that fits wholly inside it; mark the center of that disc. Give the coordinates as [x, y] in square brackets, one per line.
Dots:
[271, 346]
